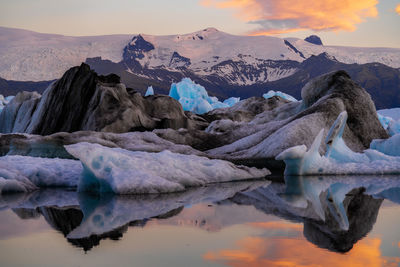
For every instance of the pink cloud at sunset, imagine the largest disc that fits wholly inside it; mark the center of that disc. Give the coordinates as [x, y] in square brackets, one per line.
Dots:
[282, 16]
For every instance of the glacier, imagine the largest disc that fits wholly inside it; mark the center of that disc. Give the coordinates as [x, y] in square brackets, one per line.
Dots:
[194, 97]
[339, 158]
[272, 93]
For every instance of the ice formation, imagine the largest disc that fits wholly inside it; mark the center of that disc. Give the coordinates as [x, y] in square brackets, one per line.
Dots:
[272, 93]
[231, 101]
[29, 173]
[384, 120]
[194, 97]
[4, 101]
[103, 169]
[150, 91]
[338, 159]
[390, 120]
[125, 172]
[389, 146]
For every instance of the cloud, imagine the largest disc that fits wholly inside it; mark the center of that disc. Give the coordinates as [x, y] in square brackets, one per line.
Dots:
[398, 9]
[281, 16]
[294, 251]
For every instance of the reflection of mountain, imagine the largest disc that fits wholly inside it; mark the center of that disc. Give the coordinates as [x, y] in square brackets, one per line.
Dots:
[336, 211]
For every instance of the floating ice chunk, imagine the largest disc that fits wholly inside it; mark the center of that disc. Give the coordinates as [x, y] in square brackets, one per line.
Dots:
[43, 172]
[393, 127]
[125, 172]
[231, 101]
[384, 120]
[11, 180]
[272, 93]
[389, 146]
[194, 97]
[393, 113]
[4, 101]
[202, 106]
[150, 91]
[339, 159]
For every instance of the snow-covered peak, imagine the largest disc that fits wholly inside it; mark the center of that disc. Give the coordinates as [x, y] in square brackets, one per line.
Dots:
[27, 55]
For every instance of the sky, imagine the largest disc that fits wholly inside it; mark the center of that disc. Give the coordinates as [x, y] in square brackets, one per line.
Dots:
[345, 22]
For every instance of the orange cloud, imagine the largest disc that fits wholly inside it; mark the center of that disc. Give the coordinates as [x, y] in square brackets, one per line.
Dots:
[294, 250]
[398, 9]
[279, 16]
[283, 251]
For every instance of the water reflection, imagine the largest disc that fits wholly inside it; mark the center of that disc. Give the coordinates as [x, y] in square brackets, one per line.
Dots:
[336, 212]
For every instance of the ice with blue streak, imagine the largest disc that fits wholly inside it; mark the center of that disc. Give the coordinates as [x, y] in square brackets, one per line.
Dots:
[339, 158]
[150, 91]
[194, 97]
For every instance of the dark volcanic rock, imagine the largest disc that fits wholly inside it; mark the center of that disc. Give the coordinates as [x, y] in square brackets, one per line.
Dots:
[83, 100]
[297, 123]
[314, 39]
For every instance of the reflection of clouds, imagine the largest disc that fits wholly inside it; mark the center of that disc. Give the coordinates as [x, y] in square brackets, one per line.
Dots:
[296, 251]
[280, 16]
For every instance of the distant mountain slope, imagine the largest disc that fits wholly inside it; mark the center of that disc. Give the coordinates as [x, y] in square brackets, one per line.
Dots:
[381, 81]
[27, 55]
[13, 87]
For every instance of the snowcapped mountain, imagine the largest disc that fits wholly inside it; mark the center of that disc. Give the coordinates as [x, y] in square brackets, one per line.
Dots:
[240, 60]
[226, 65]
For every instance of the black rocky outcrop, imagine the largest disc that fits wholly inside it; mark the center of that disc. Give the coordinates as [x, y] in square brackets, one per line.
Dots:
[83, 100]
[313, 39]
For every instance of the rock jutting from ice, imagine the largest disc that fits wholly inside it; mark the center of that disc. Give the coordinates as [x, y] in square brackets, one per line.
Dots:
[290, 124]
[338, 159]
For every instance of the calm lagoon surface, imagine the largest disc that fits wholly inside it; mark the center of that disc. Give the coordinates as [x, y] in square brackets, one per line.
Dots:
[306, 221]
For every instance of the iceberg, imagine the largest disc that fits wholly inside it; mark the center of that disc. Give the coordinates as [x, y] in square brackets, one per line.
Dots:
[125, 172]
[150, 91]
[4, 101]
[389, 146]
[231, 101]
[393, 127]
[339, 158]
[384, 120]
[115, 170]
[194, 97]
[272, 93]
[390, 120]
[38, 172]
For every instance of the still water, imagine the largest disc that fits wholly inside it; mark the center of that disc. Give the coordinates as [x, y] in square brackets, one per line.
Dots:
[306, 221]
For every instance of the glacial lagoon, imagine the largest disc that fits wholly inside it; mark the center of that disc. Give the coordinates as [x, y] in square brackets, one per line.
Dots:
[301, 221]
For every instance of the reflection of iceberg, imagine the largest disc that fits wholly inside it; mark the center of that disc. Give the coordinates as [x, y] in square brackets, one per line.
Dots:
[336, 211]
[339, 159]
[85, 222]
[102, 215]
